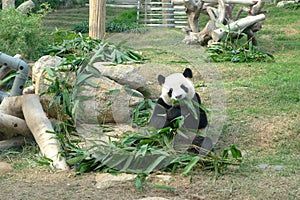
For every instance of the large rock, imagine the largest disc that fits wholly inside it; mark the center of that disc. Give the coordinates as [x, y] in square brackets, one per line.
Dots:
[38, 71]
[127, 75]
[108, 102]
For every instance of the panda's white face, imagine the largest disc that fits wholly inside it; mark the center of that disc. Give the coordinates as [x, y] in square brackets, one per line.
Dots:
[176, 87]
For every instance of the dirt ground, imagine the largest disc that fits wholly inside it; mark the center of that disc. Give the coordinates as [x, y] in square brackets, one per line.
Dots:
[41, 184]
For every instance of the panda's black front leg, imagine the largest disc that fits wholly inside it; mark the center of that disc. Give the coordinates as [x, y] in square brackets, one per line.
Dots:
[203, 122]
[173, 113]
[159, 116]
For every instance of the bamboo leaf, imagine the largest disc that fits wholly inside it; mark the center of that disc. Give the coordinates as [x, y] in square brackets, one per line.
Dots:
[191, 164]
[128, 162]
[82, 78]
[152, 166]
[6, 79]
[50, 71]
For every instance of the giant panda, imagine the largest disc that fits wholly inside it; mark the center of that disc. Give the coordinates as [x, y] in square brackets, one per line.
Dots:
[179, 87]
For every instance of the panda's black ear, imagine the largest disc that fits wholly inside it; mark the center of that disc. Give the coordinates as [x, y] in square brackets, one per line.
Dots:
[161, 79]
[188, 73]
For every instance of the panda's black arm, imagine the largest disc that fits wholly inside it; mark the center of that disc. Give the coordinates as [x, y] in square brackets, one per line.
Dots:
[159, 116]
[173, 113]
[203, 118]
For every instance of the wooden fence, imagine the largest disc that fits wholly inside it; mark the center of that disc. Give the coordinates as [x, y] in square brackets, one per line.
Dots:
[162, 14]
[156, 13]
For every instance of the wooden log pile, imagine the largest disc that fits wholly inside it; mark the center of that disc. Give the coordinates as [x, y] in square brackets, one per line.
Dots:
[221, 19]
[24, 117]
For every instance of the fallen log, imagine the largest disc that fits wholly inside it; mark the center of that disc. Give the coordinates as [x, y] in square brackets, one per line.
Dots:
[13, 111]
[26, 6]
[10, 126]
[12, 106]
[42, 130]
[241, 24]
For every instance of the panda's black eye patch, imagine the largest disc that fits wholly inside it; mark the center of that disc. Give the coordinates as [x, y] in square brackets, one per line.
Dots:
[170, 92]
[184, 88]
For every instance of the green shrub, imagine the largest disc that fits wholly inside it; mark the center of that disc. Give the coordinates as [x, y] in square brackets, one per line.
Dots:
[126, 22]
[59, 3]
[22, 33]
[242, 53]
[127, 17]
[237, 50]
[82, 27]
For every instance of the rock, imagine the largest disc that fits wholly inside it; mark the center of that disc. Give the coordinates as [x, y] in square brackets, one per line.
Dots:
[40, 83]
[278, 167]
[127, 75]
[105, 181]
[5, 168]
[160, 179]
[109, 102]
[263, 166]
[38, 78]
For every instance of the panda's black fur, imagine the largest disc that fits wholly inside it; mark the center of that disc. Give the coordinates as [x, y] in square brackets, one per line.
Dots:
[179, 86]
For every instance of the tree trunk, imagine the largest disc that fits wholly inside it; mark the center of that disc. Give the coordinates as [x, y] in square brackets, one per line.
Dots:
[193, 11]
[256, 9]
[97, 19]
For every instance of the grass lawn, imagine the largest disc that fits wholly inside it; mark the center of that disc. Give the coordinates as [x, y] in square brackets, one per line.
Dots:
[262, 107]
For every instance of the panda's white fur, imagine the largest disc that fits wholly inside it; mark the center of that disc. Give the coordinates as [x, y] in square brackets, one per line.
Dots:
[174, 82]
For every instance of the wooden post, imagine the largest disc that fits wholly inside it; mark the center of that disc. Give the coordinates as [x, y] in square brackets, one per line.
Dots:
[7, 4]
[97, 18]
[167, 13]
